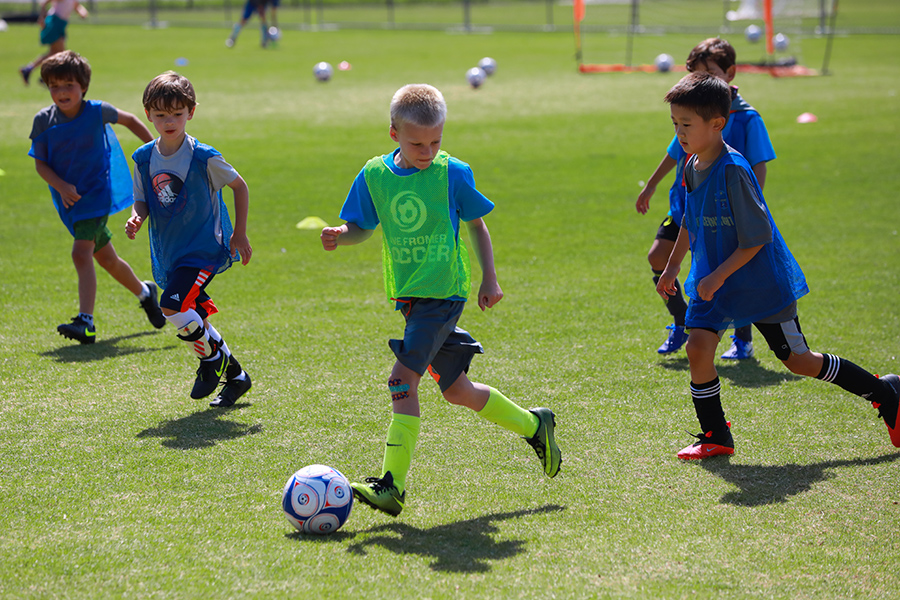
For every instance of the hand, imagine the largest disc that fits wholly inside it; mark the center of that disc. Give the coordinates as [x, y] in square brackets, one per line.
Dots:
[133, 225]
[240, 243]
[643, 202]
[708, 286]
[489, 294]
[329, 237]
[69, 195]
[665, 287]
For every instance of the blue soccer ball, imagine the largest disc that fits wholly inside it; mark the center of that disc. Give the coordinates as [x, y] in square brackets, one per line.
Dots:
[476, 76]
[488, 65]
[317, 499]
[664, 63]
[753, 33]
[323, 71]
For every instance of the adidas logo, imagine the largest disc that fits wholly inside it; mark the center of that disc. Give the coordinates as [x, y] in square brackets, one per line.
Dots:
[175, 297]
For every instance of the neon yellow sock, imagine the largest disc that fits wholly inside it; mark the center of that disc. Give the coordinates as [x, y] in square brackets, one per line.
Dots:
[509, 415]
[401, 440]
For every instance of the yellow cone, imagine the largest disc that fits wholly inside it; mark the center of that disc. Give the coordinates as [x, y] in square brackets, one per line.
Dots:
[312, 223]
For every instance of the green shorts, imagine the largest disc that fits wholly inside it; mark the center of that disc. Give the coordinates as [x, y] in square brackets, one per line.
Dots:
[95, 230]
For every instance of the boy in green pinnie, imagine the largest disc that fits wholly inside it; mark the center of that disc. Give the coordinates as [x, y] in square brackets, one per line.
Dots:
[419, 195]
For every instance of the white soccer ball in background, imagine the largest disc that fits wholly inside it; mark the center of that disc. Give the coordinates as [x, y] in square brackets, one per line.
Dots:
[274, 33]
[323, 71]
[3, 25]
[317, 499]
[664, 63]
[753, 33]
[488, 65]
[475, 76]
[781, 41]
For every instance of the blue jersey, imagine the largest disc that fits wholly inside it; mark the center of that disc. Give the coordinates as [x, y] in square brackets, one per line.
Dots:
[745, 132]
[86, 153]
[768, 283]
[188, 228]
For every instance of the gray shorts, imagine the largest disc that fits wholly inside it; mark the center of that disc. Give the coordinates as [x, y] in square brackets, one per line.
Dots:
[432, 342]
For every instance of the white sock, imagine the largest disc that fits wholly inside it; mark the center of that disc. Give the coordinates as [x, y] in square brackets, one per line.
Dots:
[145, 291]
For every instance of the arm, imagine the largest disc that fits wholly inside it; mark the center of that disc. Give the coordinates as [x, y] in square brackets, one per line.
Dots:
[239, 240]
[135, 125]
[82, 11]
[139, 213]
[643, 202]
[66, 190]
[709, 285]
[489, 293]
[347, 234]
[665, 287]
[43, 12]
[760, 169]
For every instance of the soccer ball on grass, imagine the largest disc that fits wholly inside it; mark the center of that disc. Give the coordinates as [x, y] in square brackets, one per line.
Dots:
[317, 499]
[323, 71]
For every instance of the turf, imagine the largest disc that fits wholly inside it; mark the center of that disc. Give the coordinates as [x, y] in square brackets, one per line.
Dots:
[113, 483]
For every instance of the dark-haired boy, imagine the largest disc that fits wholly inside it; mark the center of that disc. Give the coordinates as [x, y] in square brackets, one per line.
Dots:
[741, 270]
[76, 152]
[746, 133]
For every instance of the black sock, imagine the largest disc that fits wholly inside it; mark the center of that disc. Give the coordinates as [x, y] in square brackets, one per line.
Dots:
[708, 406]
[675, 304]
[745, 333]
[855, 380]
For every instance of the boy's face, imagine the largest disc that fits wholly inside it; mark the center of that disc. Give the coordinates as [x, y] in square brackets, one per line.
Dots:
[418, 145]
[696, 135]
[712, 68]
[67, 95]
[170, 123]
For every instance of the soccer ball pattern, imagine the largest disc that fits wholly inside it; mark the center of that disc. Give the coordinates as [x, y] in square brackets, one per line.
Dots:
[475, 76]
[323, 71]
[664, 63]
[317, 499]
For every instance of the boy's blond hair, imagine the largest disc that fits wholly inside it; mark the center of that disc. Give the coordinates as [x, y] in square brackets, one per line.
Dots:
[169, 91]
[418, 104]
[65, 66]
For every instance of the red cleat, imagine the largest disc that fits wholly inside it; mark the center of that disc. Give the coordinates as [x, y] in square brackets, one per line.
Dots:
[709, 444]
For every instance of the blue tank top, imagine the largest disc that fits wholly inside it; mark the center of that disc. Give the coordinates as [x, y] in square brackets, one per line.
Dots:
[770, 282]
[86, 153]
[192, 229]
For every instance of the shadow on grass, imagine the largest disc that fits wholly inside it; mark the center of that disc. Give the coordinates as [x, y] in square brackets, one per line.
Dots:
[201, 430]
[760, 485]
[101, 349]
[741, 373]
[461, 547]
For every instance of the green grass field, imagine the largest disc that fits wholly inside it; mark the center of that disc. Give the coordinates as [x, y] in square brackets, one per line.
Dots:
[115, 484]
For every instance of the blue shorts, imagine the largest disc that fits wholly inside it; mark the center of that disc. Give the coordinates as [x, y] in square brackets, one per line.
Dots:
[187, 291]
[54, 29]
[432, 342]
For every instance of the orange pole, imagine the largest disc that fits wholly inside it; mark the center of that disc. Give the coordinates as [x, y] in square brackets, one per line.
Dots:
[770, 28]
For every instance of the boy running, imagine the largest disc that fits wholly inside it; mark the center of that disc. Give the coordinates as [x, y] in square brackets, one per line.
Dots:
[177, 184]
[741, 270]
[419, 195]
[77, 153]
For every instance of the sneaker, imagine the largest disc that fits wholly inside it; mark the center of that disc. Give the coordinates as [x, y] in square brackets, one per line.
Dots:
[380, 493]
[151, 306]
[543, 442]
[231, 391]
[889, 413]
[677, 338]
[79, 330]
[209, 373]
[25, 72]
[740, 350]
[708, 445]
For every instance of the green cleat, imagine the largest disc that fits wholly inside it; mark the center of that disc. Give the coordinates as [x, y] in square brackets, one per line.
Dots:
[380, 493]
[543, 442]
